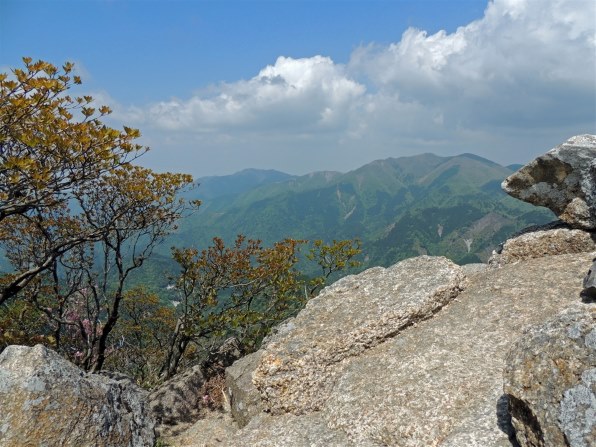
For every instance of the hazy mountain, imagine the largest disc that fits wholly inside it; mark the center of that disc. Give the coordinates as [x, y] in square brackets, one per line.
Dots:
[398, 207]
[245, 180]
[515, 167]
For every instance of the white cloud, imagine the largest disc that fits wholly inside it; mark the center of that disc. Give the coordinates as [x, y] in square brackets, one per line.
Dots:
[293, 95]
[506, 86]
[511, 59]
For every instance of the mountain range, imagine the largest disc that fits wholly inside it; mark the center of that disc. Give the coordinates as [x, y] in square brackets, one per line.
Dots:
[398, 207]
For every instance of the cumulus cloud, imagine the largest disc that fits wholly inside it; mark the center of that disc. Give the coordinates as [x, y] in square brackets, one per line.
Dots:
[518, 80]
[512, 67]
[293, 95]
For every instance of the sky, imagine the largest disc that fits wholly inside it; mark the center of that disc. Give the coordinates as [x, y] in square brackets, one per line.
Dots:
[311, 85]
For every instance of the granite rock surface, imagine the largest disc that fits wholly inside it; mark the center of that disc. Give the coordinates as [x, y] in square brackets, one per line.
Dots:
[47, 401]
[245, 400]
[563, 179]
[435, 381]
[177, 401]
[298, 368]
[537, 244]
[550, 379]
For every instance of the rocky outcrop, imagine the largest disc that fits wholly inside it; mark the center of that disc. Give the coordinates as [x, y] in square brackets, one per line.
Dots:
[298, 368]
[414, 355]
[550, 379]
[46, 400]
[411, 355]
[364, 365]
[537, 244]
[563, 179]
[185, 398]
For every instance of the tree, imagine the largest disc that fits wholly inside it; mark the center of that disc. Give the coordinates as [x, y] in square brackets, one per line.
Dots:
[52, 147]
[140, 340]
[76, 217]
[332, 258]
[240, 290]
[131, 210]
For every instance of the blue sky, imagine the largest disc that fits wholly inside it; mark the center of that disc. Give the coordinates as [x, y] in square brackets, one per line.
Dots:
[299, 86]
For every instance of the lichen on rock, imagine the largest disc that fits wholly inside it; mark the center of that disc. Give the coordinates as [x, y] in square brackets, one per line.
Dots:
[550, 378]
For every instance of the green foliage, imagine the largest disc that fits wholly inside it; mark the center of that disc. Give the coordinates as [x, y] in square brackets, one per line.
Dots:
[56, 155]
[77, 219]
[332, 258]
[21, 323]
[76, 216]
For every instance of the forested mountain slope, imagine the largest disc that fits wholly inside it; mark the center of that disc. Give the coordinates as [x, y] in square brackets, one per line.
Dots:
[398, 207]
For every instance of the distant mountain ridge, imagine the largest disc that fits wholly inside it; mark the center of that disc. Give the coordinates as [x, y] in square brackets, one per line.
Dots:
[398, 207]
[242, 181]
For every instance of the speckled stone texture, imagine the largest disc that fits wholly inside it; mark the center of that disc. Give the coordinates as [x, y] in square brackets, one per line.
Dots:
[299, 366]
[47, 401]
[215, 429]
[551, 380]
[563, 179]
[537, 244]
[434, 382]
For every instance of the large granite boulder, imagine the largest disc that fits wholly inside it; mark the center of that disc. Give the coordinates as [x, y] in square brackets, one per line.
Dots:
[47, 401]
[298, 368]
[563, 179]
[550, 379]
[399, 357]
